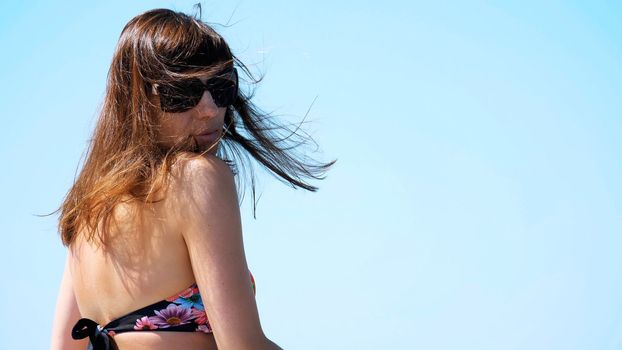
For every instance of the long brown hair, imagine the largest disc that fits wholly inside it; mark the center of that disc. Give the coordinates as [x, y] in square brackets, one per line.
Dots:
[124, 160]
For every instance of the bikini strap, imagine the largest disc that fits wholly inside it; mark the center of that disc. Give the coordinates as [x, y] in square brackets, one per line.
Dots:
[98, 336]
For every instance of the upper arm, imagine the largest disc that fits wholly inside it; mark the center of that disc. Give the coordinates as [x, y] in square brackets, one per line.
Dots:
[209, 216]
[66, 315]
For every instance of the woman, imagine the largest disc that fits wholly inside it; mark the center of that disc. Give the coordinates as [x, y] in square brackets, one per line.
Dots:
[156, 257]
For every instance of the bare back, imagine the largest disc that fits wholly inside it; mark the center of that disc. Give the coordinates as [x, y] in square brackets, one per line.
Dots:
[146, 260]
[156, 250]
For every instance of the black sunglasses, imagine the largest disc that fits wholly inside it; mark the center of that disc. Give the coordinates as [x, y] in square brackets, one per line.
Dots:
[183, 95]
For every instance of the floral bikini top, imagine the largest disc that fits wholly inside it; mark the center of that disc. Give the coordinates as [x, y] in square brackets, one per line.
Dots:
[181, 312]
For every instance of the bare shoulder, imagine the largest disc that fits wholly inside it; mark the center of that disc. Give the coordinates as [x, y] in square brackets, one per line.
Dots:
[191, 170]
[201, 188]
[209, 221]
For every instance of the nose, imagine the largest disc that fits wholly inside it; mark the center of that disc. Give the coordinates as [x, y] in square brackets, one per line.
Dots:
[206, 106]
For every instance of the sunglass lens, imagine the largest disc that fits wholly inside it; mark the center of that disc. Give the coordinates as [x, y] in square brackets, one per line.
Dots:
[184, 95]
[224, 88]
[180, 96]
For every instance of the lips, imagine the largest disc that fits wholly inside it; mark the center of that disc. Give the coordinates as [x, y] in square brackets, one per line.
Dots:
[208, 137]
[207, 132]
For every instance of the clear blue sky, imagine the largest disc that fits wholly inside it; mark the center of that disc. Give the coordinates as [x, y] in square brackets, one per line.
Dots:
[476, 202]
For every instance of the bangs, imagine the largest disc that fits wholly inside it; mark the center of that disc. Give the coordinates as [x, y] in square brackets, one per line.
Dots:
[209, 53]
[212, 52]
[184, 48]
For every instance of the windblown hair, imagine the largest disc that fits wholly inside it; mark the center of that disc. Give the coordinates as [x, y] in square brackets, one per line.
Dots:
[124, 161]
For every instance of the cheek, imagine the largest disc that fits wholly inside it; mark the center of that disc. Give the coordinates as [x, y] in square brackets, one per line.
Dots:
[174, 126]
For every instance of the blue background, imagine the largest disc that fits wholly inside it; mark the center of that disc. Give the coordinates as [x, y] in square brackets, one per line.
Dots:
[476, 202]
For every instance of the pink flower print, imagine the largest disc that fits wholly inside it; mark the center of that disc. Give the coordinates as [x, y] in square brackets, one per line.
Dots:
[205, 328]
[112, 333]
[202, 321]
[253, 284]
[200, 316]
[173, 315]
[186, 293]
[144, 323]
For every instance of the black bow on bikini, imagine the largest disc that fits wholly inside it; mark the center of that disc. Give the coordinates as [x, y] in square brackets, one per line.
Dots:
[100, 340]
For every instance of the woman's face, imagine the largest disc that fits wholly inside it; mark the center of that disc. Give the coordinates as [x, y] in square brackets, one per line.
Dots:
[204, 122]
